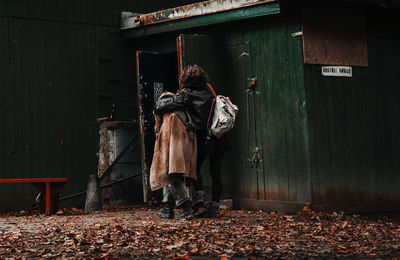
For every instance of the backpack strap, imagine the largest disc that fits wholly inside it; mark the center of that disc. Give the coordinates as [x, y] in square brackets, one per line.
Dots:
[212, 90]
[212, 105]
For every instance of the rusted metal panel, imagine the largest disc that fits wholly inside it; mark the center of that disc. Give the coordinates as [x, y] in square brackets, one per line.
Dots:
[334, 36]
[186, 11]
[115, 136]
[205, 20]
[108, 150]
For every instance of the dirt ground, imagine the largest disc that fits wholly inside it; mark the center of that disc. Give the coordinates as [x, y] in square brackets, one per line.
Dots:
[140, 233]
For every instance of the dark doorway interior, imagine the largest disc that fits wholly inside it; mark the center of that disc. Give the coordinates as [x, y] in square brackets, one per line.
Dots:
[156, 73]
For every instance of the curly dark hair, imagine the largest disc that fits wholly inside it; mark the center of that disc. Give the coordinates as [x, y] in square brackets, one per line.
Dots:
[193, 76]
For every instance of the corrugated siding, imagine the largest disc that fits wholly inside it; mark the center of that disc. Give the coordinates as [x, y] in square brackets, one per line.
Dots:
[7, 95]
[355, 125]
[51, 103]
[51, 89]
[99, 12]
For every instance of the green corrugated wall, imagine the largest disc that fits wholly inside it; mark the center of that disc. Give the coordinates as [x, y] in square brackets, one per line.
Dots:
[355, 126]
[331, 142]
[52, 84]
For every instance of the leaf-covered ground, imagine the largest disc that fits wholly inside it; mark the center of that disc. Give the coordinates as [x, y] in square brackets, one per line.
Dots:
[139, 233]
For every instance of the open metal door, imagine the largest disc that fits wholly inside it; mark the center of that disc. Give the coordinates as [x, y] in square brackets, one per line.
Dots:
[156, 73]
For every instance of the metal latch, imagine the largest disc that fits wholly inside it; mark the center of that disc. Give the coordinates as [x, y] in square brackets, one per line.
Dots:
[257, 158]
[252, 84]
[295, 34]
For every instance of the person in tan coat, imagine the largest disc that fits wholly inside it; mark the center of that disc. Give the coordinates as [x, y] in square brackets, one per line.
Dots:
[192, 105]
[174, 160]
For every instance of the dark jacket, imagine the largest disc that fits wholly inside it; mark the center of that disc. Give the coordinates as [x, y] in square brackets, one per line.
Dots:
[192, 105]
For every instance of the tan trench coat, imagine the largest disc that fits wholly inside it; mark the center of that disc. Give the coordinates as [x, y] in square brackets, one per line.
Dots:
[174, 151]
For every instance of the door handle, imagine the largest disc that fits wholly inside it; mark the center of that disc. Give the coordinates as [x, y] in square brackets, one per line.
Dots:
[256, 157]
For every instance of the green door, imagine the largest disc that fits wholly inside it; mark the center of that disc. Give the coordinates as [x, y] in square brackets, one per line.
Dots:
[247, 156]
[271, 133]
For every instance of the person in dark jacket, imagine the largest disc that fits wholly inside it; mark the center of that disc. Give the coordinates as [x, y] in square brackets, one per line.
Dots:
[193, 101]
[192, 104]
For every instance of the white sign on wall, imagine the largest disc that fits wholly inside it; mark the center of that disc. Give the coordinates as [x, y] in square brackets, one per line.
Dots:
[337, 71]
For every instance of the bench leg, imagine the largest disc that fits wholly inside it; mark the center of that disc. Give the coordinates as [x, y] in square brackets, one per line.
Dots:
[49, 193]
[48, 198]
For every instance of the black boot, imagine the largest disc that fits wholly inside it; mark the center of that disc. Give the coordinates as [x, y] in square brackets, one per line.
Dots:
[186, 210]
[198, 200]
[211, 211]
[167, 211]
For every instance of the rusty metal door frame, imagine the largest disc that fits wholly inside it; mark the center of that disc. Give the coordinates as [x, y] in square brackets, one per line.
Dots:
[156, 72]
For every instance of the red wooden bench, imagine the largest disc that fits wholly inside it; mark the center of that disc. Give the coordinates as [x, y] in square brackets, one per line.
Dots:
[48, 186]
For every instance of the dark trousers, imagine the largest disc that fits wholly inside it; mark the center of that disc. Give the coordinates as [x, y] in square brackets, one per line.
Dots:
[210, 150]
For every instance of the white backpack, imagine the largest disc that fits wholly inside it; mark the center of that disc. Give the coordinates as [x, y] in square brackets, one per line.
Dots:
[223, 113]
